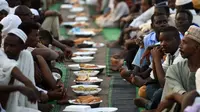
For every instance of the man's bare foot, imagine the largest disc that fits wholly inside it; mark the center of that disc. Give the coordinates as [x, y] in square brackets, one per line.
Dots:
[138, 81]
[45, 107]
[64, 100]
[140, 102]
[116, 64]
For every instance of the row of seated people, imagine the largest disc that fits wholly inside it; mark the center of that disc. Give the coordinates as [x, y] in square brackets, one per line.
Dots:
[161, 50]
[27, 56]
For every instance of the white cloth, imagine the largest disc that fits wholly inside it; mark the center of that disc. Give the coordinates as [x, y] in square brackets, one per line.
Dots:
[4, 6]
[19, 33]
[17, 102]
[197, 81]
[111, 4]
[168, 61]
[182, 2]
[6, 67]
[9, 22]
[34, 12]
[12, 10]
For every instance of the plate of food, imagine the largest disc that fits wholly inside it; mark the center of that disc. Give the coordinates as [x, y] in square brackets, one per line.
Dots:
[91, 73]
[85, 79]
[100, 68]
[84, 53]
[86, 89]
[87, 100]
[82, 59]
[87, 49]
[103, 109]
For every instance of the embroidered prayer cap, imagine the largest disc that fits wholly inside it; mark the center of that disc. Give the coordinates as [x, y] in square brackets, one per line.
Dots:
[194, 33]
[182, 2]
[19, 33]
[4, 6]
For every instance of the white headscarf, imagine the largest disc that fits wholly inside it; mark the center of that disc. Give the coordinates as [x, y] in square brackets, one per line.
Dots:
[9, 22]
[4, 5]
[19, 33]
[34, 12]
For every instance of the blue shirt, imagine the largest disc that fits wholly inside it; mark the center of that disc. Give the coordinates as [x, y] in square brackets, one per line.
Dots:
[149, 40]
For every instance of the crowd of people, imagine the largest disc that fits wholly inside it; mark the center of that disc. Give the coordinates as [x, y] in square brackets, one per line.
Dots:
[160, 53]
[161, 49]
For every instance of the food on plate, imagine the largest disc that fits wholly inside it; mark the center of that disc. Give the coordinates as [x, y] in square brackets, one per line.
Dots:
[88, 66]
[81, 14]
[93, 30]
[82, 78]
[80, 24]
[87, 99]
[81, 40]
[82, 88]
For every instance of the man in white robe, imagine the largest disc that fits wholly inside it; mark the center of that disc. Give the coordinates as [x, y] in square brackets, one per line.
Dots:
[14, 49]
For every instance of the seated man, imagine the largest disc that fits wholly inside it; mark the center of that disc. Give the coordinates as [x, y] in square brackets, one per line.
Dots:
[43, 68]
[180, 78]
[14, 49]
[121, 9]
[169, 44]
[149, 40]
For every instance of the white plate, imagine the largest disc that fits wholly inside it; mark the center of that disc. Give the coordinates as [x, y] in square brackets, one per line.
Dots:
[66, 6]
[84, 53]
[92, 80]
[71, 16]
[77, 9]
[94, 68]
[74, 66]
[73, 102]
[76, 86]
[77, 108]
[82, 59]
[88, 42]
[98, 45]
[90, 33]
[89, 49]
[103, 109]
[68, 23]
[94, 92]
[80, 19]
[91, 73]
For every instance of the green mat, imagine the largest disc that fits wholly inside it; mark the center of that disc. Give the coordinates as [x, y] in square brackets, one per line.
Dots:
[111, 34]
[55, 7]
[61, 66]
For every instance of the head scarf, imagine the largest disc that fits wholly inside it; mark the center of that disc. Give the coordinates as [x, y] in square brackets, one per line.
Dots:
[9, 22]
[4, 5]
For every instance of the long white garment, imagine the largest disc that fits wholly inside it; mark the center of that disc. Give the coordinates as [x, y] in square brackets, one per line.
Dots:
[6, 66]
[18, 102]
[111, 20]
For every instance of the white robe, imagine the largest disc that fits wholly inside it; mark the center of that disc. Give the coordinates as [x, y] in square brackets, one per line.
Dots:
[17, 102]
